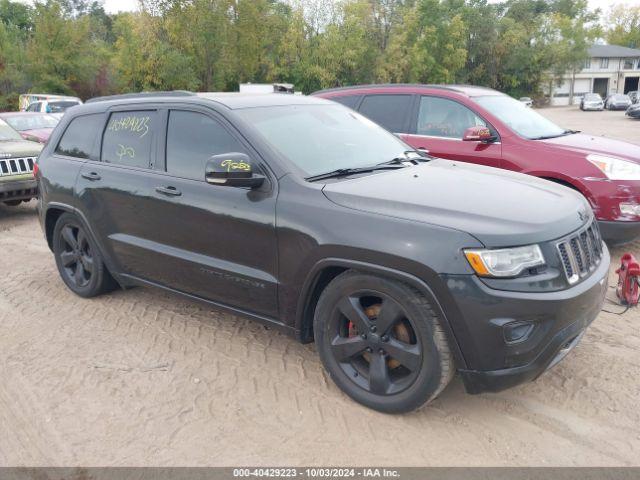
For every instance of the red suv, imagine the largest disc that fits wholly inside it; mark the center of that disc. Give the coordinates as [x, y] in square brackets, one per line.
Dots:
[483, 126]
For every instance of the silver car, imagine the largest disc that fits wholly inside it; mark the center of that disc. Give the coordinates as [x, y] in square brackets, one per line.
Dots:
[617, 101]
[591, 101]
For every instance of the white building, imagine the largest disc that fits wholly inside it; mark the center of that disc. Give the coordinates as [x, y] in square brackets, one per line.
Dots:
[609, 69]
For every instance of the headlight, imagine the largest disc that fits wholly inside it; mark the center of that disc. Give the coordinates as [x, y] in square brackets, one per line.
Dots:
[616, 168]
[630, 209]
[505, 262]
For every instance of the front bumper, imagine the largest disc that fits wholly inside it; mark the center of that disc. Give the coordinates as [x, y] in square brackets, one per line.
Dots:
[18, 190]
[558, 321]
[617, 233]
[594, 108]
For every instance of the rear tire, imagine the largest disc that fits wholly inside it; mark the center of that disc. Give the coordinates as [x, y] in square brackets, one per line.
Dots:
[381, 342]
[78, 259]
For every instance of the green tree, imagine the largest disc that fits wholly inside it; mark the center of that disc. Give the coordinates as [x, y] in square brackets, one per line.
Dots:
[624, 26]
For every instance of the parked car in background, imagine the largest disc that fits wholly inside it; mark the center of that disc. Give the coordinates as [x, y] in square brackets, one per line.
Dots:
[31, 126]
[591, 101]
[633, 95]
[617, 101]
[527, 101]
[307, 216]
[633, 111]
[486, 127]
[17, 157]
[52, 106]
[38, 102]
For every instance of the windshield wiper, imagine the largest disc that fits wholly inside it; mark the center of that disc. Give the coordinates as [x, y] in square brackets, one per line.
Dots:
[341, 172]
[564, 133]
[407, 160]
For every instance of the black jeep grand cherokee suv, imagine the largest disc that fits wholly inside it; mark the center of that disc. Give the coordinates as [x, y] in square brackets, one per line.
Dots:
[303, 214]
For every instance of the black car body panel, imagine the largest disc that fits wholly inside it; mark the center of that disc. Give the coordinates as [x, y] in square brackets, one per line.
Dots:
[267, 252]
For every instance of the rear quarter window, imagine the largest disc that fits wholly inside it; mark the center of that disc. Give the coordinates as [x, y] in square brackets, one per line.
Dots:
[347, 100]
[128, 138]
[80, 135]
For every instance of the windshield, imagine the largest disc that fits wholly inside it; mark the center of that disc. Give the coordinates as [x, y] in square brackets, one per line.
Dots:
[31, 122]
[593, 97]
[323, 138]
[524, 121]
[8, 133]
[620, 96]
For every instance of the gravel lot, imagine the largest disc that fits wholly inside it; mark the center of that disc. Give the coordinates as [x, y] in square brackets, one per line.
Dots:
[146, 378]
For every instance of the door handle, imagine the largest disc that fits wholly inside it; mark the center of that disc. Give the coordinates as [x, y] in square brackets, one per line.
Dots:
[93, 176]
[172, 191]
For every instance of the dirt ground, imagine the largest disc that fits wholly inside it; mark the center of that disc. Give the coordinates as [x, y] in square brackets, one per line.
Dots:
[146, 378]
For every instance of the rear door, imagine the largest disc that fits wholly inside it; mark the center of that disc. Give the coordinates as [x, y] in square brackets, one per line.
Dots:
[215, 242]
[114, 192]
[438, 126]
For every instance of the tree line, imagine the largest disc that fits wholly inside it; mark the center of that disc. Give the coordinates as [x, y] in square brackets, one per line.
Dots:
[516, 46]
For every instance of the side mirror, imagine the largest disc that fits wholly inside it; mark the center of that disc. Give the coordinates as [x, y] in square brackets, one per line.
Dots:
[478, 134]
[232, 170]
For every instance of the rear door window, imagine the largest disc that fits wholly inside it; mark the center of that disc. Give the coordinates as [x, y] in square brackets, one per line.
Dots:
[80, 135]
[390, 111]
[441, 117]
[192, 138]
[129, 137]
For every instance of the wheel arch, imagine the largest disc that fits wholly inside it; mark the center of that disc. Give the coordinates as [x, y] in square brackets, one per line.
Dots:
[53, 213]
[324, 271]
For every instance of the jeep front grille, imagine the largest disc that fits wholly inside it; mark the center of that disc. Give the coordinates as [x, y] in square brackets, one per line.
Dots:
[16, 166]
[581, 252]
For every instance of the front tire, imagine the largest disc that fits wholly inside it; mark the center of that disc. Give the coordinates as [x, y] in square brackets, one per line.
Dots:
[381, 342]
[78, 259]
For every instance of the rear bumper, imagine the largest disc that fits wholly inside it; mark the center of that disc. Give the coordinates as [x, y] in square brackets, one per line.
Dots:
[18, 190]
[555, 320]
[617, 233]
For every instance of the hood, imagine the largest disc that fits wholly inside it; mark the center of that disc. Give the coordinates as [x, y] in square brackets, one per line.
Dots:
[498, 207]
[19, 148]
[586, 144]
[39, 134]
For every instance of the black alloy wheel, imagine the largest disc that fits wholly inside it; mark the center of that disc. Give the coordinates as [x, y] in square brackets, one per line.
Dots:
[382, 342]
[76, 256]
[78, 259]
[375, 343]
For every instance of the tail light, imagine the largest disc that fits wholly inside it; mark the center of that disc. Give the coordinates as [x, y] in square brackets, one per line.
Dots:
[35, 170]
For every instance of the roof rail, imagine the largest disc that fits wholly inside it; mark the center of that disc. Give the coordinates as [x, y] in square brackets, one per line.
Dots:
[127, 96]
[451, 87]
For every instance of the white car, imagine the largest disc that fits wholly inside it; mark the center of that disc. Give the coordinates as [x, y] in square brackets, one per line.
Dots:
[53, 106]
[591, 101]
[527, 101]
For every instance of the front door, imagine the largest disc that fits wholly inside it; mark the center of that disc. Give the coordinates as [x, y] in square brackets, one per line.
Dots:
[214, 242]
[439, 127]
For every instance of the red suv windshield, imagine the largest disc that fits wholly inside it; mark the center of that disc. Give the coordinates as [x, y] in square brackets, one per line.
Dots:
[524, 121]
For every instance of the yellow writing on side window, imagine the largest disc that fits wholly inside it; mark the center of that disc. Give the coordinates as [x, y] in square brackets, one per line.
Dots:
[135, 124]
[231, 165]
[123, 151]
